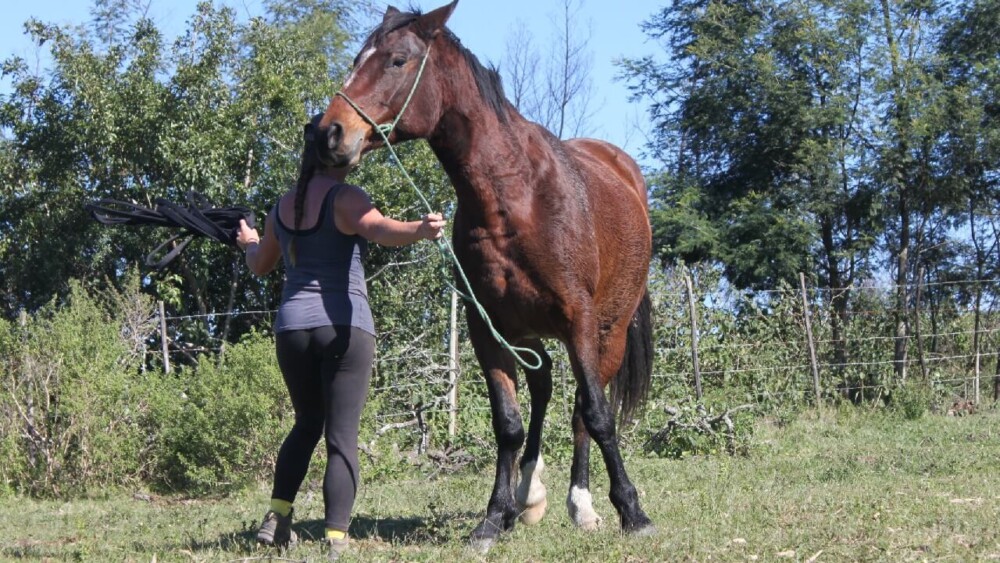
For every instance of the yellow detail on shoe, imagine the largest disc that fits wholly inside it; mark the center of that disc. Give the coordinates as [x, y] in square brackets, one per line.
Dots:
[335, 534]
[282, 507]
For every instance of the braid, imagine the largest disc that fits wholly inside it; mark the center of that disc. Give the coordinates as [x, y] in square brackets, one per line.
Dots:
[306, 171]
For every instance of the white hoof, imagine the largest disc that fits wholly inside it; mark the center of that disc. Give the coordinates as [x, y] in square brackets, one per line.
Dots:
[581, 509]
[531, 515]
[531, 493]
[481, 546]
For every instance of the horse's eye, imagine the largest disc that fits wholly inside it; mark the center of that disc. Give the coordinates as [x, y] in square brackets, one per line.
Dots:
[398, 61]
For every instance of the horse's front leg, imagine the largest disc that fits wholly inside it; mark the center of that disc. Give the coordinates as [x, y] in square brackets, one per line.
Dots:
[531, 493]
[501, 383]
[598, 419]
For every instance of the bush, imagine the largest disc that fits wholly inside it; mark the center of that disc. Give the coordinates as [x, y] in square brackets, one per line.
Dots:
[694, 429]
[222, 425]
[912, 400]
[73, 414]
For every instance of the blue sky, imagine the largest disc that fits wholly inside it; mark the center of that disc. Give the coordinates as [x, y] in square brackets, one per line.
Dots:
[482, 26]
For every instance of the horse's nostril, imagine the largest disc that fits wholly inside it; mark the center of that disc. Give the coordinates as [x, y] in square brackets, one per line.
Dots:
[333, 135]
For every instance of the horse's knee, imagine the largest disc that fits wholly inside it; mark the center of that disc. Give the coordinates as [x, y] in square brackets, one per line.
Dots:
[509, 432]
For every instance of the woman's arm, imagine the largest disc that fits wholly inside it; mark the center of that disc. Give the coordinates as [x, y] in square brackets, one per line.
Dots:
[355, 214]
[262, 254]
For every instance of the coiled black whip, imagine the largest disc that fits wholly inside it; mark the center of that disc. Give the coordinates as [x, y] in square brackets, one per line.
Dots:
[196, 217]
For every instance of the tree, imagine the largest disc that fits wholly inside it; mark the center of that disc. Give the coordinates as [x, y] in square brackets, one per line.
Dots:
[555, 91]
[787, 128]
[970, 67]
[758, 122]
[122, 115]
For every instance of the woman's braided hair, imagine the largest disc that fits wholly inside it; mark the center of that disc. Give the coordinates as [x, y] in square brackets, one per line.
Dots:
[310, 161]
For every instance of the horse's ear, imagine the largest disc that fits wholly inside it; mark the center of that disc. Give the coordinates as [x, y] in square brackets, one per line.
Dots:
[389, 12]
[430, 24]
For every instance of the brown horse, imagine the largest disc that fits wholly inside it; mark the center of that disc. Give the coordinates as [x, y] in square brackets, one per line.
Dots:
[554, 237]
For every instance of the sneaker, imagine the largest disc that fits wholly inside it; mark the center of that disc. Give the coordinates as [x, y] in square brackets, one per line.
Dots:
[276, 529]
[337, 548]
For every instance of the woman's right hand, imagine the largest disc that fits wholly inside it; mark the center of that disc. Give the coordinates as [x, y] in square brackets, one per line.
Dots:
[431, 226]
[245, 236]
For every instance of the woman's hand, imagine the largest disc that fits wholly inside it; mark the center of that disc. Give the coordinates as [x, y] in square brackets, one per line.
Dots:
[245, 236]
[431, 226]
[262, 253]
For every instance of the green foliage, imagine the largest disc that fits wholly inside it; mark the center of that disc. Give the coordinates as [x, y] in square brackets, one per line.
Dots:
[120, 113]
[74, 412]
[692, 428]
[222, 424]
[912, 400]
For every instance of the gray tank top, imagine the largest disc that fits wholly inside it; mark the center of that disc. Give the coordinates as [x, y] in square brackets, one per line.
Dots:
[326, 286]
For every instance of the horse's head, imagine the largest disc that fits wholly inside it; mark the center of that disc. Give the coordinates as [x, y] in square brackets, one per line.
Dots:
[391, 68]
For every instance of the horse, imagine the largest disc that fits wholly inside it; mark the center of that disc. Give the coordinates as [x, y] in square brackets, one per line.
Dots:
[554, 238]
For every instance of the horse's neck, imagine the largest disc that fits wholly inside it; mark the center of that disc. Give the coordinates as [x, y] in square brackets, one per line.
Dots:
[486, 161]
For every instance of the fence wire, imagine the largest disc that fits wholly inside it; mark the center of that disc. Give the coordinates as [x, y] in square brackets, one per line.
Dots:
[739, 340]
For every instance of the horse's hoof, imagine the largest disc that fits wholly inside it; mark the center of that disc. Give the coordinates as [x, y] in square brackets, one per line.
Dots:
[644, 531]
[591, 525]
[481, 546]
[532, 515]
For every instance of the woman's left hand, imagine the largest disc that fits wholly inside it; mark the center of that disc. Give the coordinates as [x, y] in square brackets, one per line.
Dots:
[431, 226]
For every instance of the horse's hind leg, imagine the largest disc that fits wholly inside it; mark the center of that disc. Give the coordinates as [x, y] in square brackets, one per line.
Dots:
[501, 383]
[579, 502]
[530, 494]
[595, 410]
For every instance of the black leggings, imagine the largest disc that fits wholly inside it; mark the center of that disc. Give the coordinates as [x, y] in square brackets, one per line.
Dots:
[327, 371]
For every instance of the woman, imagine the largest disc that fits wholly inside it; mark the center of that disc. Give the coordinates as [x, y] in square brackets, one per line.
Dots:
[324, 331]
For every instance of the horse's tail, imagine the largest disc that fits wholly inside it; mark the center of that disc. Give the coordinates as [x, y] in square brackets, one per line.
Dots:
[630, 385]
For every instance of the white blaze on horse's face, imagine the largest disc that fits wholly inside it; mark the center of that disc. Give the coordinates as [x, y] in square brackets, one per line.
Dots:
[362, 59]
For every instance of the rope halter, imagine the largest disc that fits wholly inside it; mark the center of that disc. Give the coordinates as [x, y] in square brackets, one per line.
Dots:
[385, 129]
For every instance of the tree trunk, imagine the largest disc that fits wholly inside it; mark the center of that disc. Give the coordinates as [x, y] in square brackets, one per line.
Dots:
[977, 317]
[838, 298]
[898, 180]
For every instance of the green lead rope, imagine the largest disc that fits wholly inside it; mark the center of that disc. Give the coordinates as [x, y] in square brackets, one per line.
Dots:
[447, 252]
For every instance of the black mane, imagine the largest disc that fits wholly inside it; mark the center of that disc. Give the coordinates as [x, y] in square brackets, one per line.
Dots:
[488, 80]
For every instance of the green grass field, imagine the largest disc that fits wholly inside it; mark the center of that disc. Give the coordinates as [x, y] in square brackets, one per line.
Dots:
[844, 486]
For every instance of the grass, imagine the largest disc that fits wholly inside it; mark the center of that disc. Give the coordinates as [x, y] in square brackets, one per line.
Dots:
[844, 486]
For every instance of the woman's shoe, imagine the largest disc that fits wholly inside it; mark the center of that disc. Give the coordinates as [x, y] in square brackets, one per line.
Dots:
[276, 530]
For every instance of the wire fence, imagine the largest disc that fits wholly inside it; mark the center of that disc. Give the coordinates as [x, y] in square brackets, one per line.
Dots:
[713, 339]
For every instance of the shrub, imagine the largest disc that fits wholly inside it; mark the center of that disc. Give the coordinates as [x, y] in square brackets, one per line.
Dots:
[694, 429]
[912, 400]
[73, 413]
[222, 425]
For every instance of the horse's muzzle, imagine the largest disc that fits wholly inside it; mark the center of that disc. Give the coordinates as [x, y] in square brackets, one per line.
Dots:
[342, 148]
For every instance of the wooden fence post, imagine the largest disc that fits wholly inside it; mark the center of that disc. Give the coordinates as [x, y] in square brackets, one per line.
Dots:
[163, 339]
[453, 367]
[694, 333]
[916, 322]
[809, 336]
